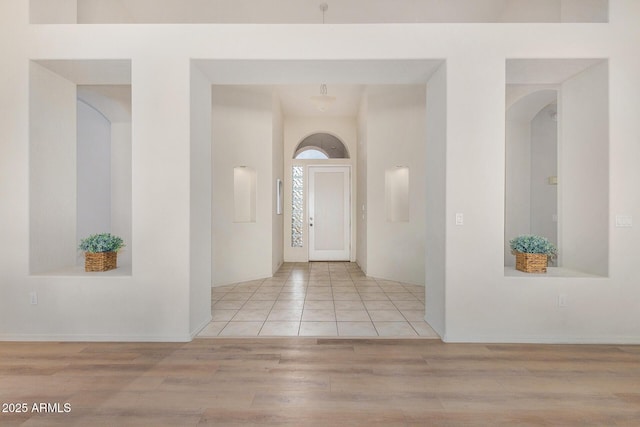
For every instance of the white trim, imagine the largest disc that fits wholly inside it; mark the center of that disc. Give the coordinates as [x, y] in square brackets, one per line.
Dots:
[599, 340]
[96, 338]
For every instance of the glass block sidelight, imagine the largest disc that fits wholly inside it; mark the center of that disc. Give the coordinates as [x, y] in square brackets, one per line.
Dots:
[297, 206]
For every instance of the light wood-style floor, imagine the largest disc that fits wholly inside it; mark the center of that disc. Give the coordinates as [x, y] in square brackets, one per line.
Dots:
[321, 382]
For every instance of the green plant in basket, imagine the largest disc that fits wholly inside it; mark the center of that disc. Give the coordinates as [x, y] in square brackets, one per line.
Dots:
[532, 244]
[104, 242]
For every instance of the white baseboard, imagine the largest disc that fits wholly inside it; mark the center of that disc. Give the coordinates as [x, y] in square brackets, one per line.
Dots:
[95, 338]
[599, 340]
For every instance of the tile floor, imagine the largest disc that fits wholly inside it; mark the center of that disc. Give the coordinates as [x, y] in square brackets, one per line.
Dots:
[318, 299]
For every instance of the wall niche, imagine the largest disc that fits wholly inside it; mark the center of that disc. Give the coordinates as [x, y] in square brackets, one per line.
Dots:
[557, 160]
[80, 160]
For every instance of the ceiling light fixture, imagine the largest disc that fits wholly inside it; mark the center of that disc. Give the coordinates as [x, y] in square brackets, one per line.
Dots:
[323, 7]
[323, 101]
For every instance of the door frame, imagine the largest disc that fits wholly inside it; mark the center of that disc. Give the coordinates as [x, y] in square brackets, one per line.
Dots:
[347, 214]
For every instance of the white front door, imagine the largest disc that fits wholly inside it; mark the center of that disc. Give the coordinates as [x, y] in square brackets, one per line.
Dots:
[329, 211]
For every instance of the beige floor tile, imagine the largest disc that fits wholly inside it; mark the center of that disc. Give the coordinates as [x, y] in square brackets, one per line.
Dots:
[212, 329]
[413, 288]
[344, 289]
[288, 305]
[237, 296]
[356, 329]
[256, 305]
[409, 305]
[265, 296]
[280, 329]
[352, 316]
[401, 296]
[343, 296]
[348, 305]
[241, 329]
[319, 284]
[289, 296]
[424, 329]
[318, 305]
[228, 305]
[318, 315]
[368, 287]
[386, 315]
[248, 315]
[285, 315]
[342, 283]
[319, 296]
[318, 299]
[311, 329]
[374, 296]
[294, 288]
[269, 288]
[222, 315]
[413, 315]
[392, 287]
[394, 329]
[379, 305]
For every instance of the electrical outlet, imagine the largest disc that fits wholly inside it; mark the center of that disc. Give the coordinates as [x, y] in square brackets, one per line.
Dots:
[33, 297]
[562, 300]
[459, 219]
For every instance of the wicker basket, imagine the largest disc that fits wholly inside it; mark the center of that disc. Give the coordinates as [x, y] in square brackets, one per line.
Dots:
[531, 263]
[101, 261]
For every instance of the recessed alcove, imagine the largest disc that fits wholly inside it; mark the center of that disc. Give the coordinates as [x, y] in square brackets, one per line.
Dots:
[244, 194]
[396, 194]
[80, 161]
[308, 12]
[557, 169]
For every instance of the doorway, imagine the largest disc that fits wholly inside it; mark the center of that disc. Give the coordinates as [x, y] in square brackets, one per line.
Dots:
[329, 201]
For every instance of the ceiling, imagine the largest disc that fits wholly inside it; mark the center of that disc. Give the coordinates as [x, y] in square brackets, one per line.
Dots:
[296, 81]
[296, 100]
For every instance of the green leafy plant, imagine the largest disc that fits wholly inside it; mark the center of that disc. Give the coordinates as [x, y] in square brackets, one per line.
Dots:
[104, 242]
[532, 244]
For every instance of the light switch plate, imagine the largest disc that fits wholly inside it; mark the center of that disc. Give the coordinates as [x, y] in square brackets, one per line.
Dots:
[459, 219]
[624, 221]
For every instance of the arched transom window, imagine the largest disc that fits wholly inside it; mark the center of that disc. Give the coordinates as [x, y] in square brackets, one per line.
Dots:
[321, 146]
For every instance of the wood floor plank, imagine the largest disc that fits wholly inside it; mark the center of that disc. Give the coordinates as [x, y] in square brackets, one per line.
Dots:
[320, 382]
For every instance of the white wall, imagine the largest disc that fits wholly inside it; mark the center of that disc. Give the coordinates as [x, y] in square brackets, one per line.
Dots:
[361, 198]
[436, 200]
[517, 184]
[544, 164]
[53, 171]
[584, 174]
[94, 173]
[277, 251]
[121, 188]
[200, 200]
[396, 136]
[295, 130]
[242, 132]
[482, 304]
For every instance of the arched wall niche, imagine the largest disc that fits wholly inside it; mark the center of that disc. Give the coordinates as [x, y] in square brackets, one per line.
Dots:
[531, 197]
